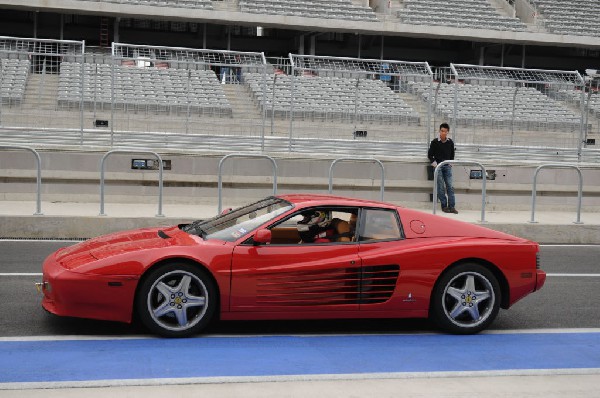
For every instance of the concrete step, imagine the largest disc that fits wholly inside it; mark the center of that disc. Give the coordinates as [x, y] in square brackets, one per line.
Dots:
[41, 91]
[241, 102]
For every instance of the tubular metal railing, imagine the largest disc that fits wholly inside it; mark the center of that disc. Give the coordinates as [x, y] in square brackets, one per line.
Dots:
[242, 155]
[160, 177]
[359, 159]
[38, 160]
[451, 162]
[579, 192]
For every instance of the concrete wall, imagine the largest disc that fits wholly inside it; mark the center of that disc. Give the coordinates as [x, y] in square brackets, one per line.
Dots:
[389, 27]
[75, 176]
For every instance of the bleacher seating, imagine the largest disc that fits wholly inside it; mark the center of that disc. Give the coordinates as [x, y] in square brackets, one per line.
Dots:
[13, 79]
[331, 9]
[331, 99]
[474, 14]
[577, 17]
[147, 89]
[481, 104]
[574, 97]
[204, 4]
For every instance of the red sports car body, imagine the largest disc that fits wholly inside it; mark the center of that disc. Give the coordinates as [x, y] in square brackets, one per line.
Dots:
[363, 259]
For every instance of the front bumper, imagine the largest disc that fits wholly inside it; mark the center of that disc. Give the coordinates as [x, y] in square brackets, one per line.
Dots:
[540, 279]
[69, 293]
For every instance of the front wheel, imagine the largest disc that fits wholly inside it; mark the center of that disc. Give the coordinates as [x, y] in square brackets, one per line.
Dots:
[466, 299]
[176, 300]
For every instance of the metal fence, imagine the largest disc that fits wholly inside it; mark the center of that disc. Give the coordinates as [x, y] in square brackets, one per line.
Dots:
[60, 93]
[513, 106]
[28, 81]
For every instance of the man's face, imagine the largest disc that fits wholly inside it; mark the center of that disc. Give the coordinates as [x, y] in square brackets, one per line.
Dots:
[443, 134]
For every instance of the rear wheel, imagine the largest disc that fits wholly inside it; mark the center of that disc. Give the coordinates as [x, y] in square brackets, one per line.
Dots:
[466, 299]
[176, 300]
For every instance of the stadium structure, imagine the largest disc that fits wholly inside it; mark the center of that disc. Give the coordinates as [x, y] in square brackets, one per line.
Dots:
[517, 80]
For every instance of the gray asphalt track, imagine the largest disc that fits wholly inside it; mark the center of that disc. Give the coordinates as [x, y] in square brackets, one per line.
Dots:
[569, 300]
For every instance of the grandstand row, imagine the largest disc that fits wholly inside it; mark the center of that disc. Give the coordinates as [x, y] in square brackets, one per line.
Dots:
[302, 75]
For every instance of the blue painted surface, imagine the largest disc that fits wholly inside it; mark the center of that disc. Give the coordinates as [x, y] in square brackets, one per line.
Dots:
[88, 360]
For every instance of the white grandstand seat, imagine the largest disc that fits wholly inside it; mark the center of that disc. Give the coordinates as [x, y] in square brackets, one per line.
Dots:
[340, 9]
[478, 104]
[573, 17]
[331, 99]
[475, 14]
[203, 4]
[145, 90]
[14, 74]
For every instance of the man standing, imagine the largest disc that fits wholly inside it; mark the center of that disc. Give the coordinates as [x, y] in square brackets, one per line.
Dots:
[440, 149]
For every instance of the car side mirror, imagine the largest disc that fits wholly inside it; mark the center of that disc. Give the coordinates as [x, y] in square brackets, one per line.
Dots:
[262, 236]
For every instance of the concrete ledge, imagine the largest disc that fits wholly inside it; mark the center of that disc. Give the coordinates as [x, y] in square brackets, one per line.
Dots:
[69, 227]
[66, 227]
[552, 233]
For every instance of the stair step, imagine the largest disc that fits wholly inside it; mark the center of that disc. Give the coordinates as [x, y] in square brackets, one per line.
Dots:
[240, 101]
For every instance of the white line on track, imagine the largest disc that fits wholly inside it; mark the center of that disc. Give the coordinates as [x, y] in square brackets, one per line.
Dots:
[20, 274]
[296, 378]
[243, 336]
[41, 240]
[566, 245]
[549, 275]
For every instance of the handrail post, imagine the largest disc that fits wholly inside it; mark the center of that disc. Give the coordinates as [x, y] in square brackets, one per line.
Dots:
[242, 155]
[160, 177]
[579, 190]
[360, 159]
[38, 160]
[483, 184]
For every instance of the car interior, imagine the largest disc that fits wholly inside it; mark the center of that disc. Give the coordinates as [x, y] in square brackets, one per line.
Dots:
[343, 220]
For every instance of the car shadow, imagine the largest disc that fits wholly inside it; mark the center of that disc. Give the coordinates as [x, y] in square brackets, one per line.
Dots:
[53, 325]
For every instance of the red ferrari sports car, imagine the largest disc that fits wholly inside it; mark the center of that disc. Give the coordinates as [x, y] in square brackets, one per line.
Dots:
[296, 257]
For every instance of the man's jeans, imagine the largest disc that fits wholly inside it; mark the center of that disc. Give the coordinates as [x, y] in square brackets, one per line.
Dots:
[445, 184]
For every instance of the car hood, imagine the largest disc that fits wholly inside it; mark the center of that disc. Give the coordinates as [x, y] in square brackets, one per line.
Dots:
[122, 242]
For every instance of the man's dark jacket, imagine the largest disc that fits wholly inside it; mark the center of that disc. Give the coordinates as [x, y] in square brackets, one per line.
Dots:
[440, 151]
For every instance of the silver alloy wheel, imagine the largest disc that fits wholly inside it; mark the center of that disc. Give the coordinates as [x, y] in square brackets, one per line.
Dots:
[468, 299]
[177, 300]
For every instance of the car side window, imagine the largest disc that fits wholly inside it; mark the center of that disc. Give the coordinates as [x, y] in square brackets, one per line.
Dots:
[379, 224]
[337, 226]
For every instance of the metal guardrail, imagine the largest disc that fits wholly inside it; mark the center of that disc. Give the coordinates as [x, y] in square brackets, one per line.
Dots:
[534, 189]
[359, 159]
[451, 162]
[38, 160]
[160, 177]
[243, 155]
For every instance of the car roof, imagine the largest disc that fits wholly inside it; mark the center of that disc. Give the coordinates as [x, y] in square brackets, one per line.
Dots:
[307, 199]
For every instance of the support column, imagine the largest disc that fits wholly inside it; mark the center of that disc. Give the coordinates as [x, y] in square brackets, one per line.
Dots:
[35, 24]
[301, 45]
[228, 38]
[116, 38]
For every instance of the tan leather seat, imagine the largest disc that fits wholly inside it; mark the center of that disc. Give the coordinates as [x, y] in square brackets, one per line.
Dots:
[342, 227]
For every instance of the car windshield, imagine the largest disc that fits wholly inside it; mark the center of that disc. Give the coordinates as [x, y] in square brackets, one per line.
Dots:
[239, 222]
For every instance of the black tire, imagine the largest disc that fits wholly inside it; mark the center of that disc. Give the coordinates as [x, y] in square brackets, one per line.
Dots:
[466, 299]
[176, 300]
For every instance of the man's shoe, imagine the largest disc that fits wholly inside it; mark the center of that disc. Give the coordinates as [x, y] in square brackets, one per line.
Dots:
[446, 210]
[452, 210]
